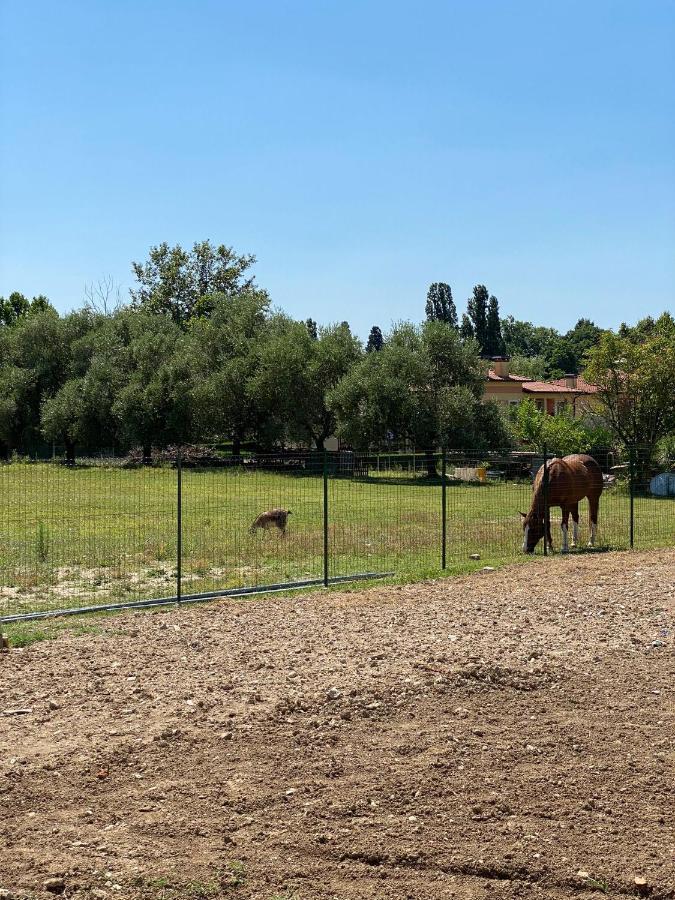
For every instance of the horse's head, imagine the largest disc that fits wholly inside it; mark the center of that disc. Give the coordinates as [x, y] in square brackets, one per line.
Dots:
[533, 531]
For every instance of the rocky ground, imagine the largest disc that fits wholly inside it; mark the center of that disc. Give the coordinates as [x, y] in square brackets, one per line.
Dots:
[506, 734]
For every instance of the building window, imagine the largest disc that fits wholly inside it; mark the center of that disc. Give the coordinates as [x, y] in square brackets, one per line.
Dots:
[561, 407]
[539, 404]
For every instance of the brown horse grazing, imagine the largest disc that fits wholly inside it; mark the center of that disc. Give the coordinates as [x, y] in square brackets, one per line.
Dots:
[570, 479]
[273, 518]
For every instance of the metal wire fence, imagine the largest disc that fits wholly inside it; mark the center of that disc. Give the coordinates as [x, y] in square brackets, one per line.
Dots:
[106, 533]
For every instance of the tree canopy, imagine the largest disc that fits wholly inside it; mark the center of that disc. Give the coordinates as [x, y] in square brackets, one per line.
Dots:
[182, 283]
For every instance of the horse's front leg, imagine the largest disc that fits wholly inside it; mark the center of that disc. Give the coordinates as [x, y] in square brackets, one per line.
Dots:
[548, 537]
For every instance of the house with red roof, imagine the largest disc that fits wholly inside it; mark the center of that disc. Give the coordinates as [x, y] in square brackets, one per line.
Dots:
[571, 392]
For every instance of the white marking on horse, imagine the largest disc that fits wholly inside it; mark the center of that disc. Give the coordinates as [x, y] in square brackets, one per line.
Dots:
[527, 528]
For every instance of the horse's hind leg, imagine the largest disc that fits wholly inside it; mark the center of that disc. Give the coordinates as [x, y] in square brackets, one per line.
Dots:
[563, 527]
[575, 524]
[593, 504]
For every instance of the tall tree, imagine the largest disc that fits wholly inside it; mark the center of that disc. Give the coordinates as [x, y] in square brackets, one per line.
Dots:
[182, 284]
[294, 375]
[226, 349]
[17, 307]
[153, 405]
[466, 328]
[375, 340]
[312, 328]
[525, 339]
[634, 374]
[424, 387]
[440, 306]
[476, 308]
[495, 345]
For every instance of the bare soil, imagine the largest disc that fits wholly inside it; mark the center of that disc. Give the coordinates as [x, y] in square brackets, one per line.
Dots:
[505, 734]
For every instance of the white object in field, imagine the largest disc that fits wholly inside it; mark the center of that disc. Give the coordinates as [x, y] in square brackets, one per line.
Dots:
[470, 473]
[663, 485]
[564, 536]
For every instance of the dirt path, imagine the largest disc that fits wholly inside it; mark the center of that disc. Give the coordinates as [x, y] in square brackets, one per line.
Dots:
[493, 736]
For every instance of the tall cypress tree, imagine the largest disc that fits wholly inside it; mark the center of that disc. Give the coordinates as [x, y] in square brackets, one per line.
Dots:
[375, 340]
[495, 345]
[466, 328]
[440, 307]
[312, 329]
[476, 308]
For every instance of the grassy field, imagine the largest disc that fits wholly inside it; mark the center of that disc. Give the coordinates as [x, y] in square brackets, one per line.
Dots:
[72, 537]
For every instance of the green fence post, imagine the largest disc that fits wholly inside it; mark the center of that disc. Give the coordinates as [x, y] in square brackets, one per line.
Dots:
[546, 523]
[444, 512]
[325, 520]
[631, 488]
[179, 525]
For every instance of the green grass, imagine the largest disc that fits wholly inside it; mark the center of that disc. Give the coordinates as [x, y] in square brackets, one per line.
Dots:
[74, 537]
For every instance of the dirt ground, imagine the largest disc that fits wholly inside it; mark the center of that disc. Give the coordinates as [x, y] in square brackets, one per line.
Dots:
[506, 734]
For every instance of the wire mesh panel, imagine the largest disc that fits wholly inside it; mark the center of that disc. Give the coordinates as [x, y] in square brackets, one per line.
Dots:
[254, 521]
[94, 533]
[653, 499]
[384, 513]
[108, 531]
[485, 494]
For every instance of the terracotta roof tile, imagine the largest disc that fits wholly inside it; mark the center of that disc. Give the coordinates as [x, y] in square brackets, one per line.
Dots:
[583, 386]
[545, 387]
[492, 376]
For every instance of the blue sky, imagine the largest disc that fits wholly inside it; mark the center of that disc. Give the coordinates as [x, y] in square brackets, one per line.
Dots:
[360, 150]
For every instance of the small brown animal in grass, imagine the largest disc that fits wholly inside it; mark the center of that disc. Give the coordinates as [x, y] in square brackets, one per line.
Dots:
[276, 518]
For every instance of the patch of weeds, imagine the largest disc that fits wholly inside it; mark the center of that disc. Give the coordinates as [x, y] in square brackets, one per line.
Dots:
[202, 889]
[21, 635]
[235, 874]
[83, 629]
[157, 884]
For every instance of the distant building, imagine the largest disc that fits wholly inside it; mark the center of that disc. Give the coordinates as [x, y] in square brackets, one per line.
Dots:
[571, 392]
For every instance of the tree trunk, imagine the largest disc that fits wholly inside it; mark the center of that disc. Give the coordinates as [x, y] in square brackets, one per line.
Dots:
[147, 454]
[430, 462]
[236, 445]
[70, 452]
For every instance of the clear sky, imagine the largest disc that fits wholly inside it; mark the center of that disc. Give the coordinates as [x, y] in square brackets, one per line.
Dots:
[360, 149]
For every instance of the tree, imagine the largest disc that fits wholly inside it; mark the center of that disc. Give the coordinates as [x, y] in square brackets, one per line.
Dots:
[495, 345]
[312, 328]
[182, 284]
[525, 339]
[635, 375]
[295, 374]
[17, 307]
[581, 339]
[37, 360]
[476, 308]
[440, 306]
[559, 435]
[532, 367]
[466, 329]
[424, 387]
[152, 405]
[375, 340]
[226, 351]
